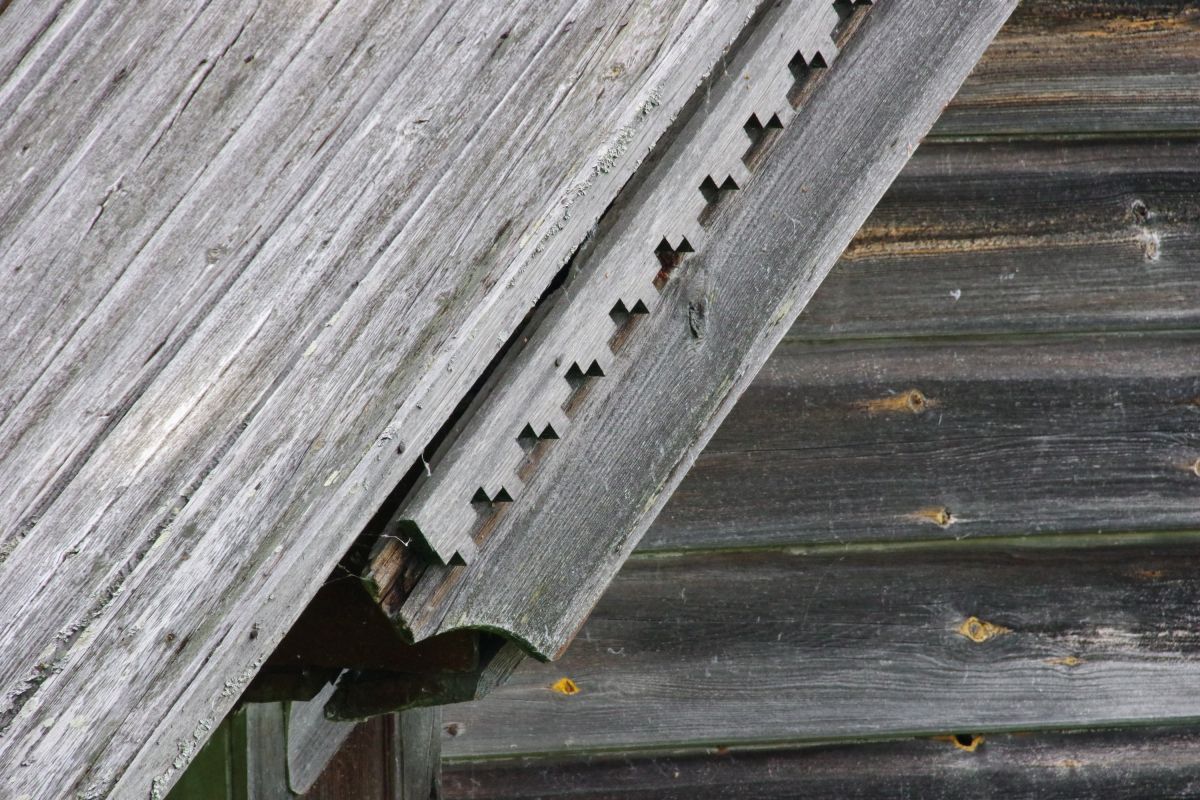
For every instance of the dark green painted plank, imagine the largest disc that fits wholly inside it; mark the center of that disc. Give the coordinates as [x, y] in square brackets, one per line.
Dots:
[1081, 765]
[739, 648]
[1015, 236]
[1038, 435]
[1067, 66]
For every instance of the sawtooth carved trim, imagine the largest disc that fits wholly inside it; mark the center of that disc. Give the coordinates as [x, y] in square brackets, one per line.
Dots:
[616, 279]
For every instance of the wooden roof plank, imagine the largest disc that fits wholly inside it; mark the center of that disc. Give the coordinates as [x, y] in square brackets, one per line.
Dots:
[247, 291]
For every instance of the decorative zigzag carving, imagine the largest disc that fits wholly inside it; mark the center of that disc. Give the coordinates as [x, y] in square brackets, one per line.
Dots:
[618, 278]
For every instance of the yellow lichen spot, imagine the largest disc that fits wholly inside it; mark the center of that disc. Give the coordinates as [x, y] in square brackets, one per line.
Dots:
[913, 401]
[565, 686]
[979, 631]
[1065, 661]
[938, 515]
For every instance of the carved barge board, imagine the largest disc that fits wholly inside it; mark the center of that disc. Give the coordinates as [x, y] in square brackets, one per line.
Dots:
[548, 555]
[768, 647]
[578, 336]
[253, 255]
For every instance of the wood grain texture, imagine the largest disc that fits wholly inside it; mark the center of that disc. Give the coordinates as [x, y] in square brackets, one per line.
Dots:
[786, 646]
[547, 559]
[1065, 765]
[1008, 237]
[252, 256]
[944, 439]
[1085, 66]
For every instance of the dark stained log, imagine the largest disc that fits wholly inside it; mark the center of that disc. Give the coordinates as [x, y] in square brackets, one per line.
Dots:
[1065, 765]
[362, 694]
[999, 237]
[1067, 66]
[947, 439]
[722, 649]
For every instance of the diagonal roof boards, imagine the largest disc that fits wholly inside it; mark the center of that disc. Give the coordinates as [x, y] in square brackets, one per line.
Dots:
[255, 255]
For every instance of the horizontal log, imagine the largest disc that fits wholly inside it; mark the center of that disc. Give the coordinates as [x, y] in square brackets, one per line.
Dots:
[1014, 236]
[1078, 765]
[771, 647]
[930, 439]
[1068, 66]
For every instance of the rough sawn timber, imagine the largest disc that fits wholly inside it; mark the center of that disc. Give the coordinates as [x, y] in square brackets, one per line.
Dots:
[253, 255]
[548, 557]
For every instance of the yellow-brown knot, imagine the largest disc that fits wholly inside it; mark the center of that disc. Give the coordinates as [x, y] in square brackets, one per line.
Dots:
[913, 401]
[979, 631]
[565, 686]
[938, 515]
[1065, 661]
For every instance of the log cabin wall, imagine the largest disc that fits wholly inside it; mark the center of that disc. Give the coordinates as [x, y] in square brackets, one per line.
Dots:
[946, 542]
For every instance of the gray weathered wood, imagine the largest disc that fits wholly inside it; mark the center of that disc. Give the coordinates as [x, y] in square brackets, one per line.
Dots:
[312, 740]
[946, 439]
[417, 753]
[1065, 765]
[1003, 237]
[712, 650]
[264, 748]
[547, 558]
[1085, 66]
[253, 255]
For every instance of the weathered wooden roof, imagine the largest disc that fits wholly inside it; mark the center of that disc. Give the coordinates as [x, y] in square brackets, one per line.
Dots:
[254, 258]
